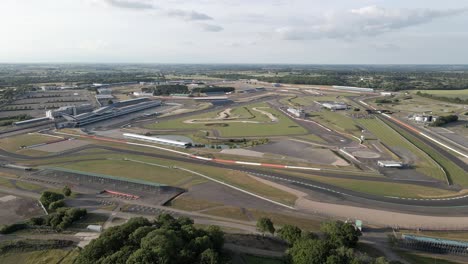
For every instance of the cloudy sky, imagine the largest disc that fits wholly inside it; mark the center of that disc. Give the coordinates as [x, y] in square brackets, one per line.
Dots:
[229, 31]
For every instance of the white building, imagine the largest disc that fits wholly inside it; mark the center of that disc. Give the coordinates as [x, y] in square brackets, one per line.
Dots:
[156, 140]
[296, 112]
[335, 105]
[389, 164]
[386, 93]
[142, 94]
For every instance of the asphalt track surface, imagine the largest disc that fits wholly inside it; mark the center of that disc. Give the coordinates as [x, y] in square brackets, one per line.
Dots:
[338, 193]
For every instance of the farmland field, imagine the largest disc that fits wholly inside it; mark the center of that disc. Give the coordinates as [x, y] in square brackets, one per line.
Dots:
[462, 94]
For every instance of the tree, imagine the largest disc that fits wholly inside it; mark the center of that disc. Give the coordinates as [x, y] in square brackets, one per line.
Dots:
[57, 204]
[340, 233]
[48, 197]
[66, 191]
[264, 225]
[309, 251]
[290, 233]
[209, 256]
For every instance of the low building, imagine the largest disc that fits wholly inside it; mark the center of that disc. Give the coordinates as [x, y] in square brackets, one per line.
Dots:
[49, 87]
[138, 94]
[162, 141]
[424, 118]
[104, 91]
[386, 93]
[296, 112]
[354, 89]
[390, 164]
[335, 105]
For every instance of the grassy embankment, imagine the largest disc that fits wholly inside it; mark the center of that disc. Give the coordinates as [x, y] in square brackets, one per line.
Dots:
[455, 174]
[13, 144]
[425, 164]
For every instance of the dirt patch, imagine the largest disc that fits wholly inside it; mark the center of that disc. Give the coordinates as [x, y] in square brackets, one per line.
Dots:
[14, 209]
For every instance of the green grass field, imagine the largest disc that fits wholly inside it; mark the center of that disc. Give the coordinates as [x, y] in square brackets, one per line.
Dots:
[39, 257]
[462, 94]
[456, 175]
[337, 121]
[379, 188]
[284, 126]
[14, 143]
[228, 212]
[28, 186]
[190, 204]
[386, 189]
[392, 139]
[128, 169]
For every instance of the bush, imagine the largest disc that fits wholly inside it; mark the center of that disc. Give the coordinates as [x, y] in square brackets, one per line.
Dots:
[37, 221]
[8, 229]
[57, 204]
[48, 197]
[66, 191]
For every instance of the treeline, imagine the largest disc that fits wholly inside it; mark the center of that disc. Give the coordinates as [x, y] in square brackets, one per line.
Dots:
[456, 100]
[166, 89]
[213, 89]
[85, 78]
[164, 240]
[443, 120]
[386, 80]
[9, 120]
[177, 241]
[336, 245]
[59, 221]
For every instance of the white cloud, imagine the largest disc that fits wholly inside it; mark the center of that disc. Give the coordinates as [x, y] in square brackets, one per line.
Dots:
[131, 4]
[365, 21]
[188, 15]
[211, 27]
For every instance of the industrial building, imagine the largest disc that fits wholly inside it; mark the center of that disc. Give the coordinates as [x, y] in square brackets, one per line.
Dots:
[162, 141]
[296, 112]
[111, 111]
[355, 89]
[335, 105]
[390, 164]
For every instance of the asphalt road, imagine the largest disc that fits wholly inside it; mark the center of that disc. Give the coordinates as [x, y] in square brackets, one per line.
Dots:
[337, 193]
